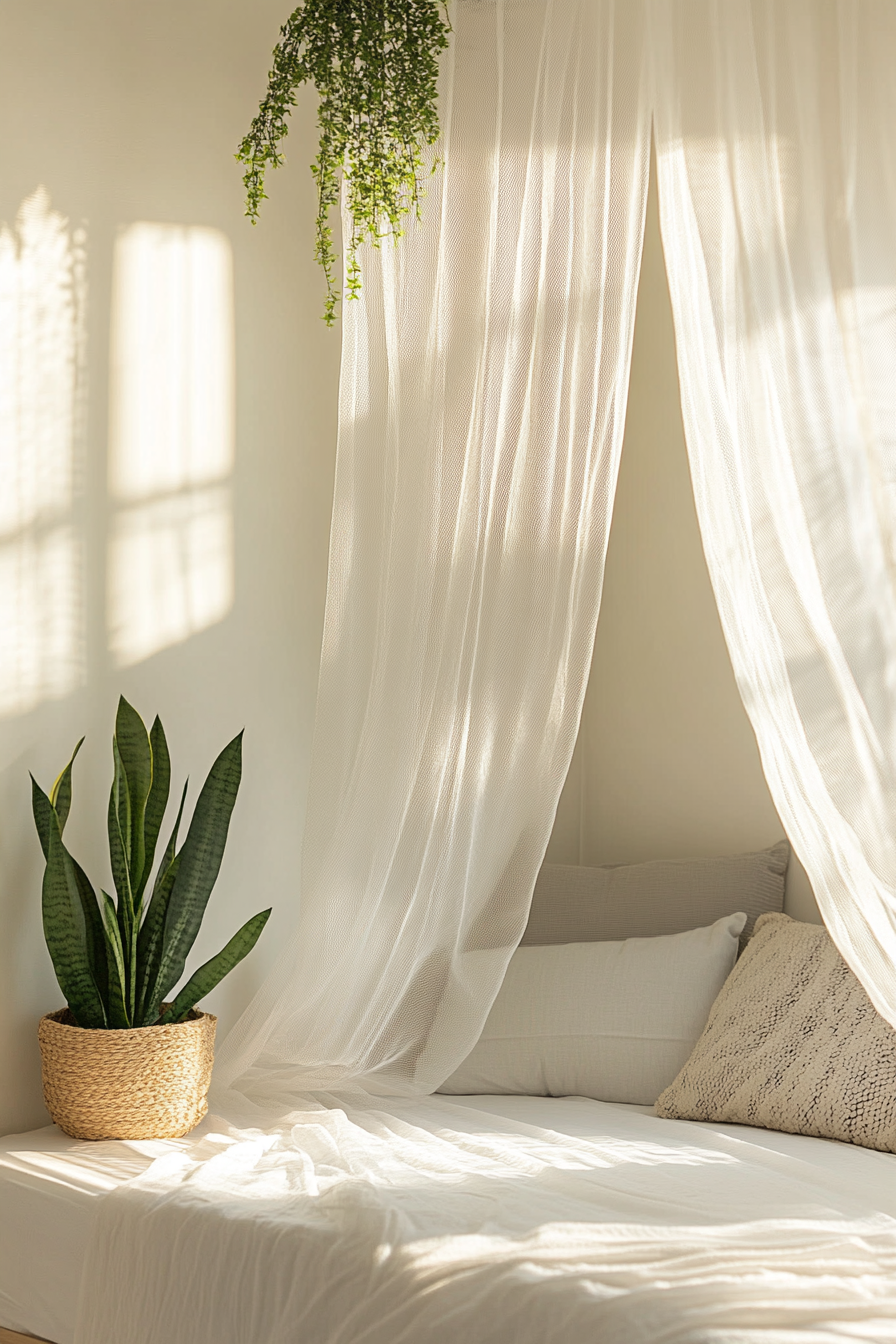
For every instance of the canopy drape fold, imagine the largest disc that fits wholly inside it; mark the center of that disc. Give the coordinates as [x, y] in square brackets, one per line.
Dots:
[777, 176]
[484, 380]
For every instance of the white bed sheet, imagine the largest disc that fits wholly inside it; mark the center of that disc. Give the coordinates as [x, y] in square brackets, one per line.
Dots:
[609, 1166]
[49, 1193]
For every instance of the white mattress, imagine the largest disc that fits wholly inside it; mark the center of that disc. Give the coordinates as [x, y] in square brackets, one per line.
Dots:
[50, 1185]
[49, 1192]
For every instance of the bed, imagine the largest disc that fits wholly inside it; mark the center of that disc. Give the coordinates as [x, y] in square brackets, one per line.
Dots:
[49, 1189]
[658, 1219]
[491, 1219]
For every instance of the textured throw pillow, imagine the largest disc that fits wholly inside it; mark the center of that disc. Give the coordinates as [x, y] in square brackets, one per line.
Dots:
[642, 900]
[614, 1021]
[792, 1042]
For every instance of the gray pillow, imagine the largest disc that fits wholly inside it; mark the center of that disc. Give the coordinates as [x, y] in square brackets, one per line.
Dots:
[794, 1043]
[647, 900]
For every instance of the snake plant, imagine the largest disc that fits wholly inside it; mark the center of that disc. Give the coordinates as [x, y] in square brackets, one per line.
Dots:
[117, 960]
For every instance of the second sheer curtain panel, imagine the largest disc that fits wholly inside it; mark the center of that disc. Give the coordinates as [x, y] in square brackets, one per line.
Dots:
[777, 177]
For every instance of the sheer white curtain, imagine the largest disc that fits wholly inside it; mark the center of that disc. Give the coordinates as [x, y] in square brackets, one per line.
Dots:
[483, 393]
[776, 133]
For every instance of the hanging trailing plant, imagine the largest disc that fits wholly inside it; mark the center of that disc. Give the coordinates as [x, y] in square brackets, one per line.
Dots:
[375, 66]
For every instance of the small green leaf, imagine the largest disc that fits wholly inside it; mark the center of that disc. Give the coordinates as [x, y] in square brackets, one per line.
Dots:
[65, 930]
[203, 981]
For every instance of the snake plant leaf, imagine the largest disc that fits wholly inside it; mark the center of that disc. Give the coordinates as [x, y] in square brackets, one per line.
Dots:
[150, 945]
[203, 981]
[149, 939]
[120, 833]
[96, 942]
[61, 792]
[200, 862]
[117, 1010]
[156, 803]
[43, 809]
[60, 800]
[65, 930]
[135, 753]
[171, 847]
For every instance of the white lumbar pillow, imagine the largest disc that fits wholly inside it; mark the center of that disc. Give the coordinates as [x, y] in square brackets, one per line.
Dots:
[614, 1021]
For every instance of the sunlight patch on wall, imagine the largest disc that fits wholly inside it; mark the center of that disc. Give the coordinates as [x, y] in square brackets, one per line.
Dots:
[172, 571]
[172, 434]
[42, 302]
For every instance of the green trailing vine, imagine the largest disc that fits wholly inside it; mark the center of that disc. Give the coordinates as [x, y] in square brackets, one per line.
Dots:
[375, 65]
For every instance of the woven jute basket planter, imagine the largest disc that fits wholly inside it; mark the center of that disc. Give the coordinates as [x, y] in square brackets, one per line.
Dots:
[145, 1083]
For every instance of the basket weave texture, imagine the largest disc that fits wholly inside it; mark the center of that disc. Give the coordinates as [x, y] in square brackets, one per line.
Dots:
[143, 1083]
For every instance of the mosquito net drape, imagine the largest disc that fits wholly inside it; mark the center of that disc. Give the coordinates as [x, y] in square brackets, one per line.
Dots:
[777, 172]
[482, 401]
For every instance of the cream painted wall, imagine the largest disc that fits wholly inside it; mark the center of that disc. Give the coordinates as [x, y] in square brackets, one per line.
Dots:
[124, 113]
[666, 764]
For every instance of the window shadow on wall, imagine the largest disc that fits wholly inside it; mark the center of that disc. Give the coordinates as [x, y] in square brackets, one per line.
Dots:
[170, 560]
[42, 387]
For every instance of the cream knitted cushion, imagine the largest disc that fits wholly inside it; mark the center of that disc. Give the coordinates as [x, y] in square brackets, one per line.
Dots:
[793, 1043]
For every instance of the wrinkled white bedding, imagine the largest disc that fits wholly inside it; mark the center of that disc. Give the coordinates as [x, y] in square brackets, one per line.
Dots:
[501, 1220]
[50, 1189]
[251, 1268]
